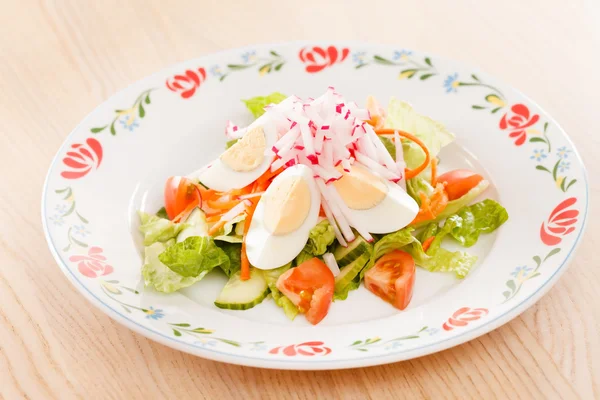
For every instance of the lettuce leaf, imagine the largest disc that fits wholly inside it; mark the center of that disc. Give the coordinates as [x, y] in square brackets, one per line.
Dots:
[194, 256]
[271, 276]
[319, 238]
[343, 293]
[416, 185]
[162, 213]
[156, 229]
[389, 145]
[225, 233]
[401, 115]
[159, 276]
[438, 259]
[465, 227]
[234, 253]
[257, 104]
[483, 217]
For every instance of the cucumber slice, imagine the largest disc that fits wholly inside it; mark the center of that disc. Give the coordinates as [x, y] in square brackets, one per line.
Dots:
[242, 295]
[356, 248]
[350, 271]
[197, 225]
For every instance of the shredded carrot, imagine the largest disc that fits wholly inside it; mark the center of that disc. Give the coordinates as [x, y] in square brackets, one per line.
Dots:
[216, 227]
[432, 206]
[427, 243]
[222, 205]
[245, 267]
[268, 175]
[410, 173]
[190, 207]
[433, 171]
[214, 218]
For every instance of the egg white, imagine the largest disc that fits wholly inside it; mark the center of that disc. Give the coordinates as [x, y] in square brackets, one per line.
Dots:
[395, 211]
[268, 251]
[219, 176]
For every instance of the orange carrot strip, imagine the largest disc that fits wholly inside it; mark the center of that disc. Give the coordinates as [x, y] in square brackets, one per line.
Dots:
[410, 173]
[245, 263]
[268, 175]
[433, 206]
[427, 243]
[434, 172]
[186, 211]
[216, 227]
[222, 205]
[214, 217]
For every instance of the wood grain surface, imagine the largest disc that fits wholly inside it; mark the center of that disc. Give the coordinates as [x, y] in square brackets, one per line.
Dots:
[59, 59]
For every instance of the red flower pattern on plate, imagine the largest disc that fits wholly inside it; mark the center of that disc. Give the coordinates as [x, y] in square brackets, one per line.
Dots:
[187, 83]
[517, 120]
[318, 58]
[81, 158]
[463, 316]
[93, 265]
[560, 222]
[303, 349]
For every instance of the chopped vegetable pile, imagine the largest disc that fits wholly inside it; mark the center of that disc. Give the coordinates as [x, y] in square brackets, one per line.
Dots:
[313, 198]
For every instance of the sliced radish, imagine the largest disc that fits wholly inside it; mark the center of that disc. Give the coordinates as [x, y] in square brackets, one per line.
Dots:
[332, 222]
[331, 263]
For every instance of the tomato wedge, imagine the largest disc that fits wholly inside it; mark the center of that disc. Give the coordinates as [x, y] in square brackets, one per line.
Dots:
[181, 196]
[310, 287]
[392, 278]
[459, 182]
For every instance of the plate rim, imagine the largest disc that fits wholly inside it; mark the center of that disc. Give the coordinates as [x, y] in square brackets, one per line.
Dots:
[312, 364]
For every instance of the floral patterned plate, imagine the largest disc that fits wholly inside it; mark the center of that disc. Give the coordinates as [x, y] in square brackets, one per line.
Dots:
[117, 159]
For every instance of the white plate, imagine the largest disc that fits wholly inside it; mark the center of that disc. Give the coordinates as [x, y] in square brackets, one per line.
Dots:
[118, 158]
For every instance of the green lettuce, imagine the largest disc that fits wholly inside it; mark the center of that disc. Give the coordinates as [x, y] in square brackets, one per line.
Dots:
[156, 229]
[471, 221]
[438, 259]
[230, 143]
[416, 185]
[389, 145]
[413, 186]
[465, 227]
[194, 256]
[225, 233]
[159, 276]
[343, 293]
[271, 276]
[401, 116]
[257, 104]
[319, 238]
[162, 213]
[234, 253]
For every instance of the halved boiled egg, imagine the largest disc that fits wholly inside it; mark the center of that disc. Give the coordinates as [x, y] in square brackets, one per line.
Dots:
[374, 204]
[283, 218]
[245, 161]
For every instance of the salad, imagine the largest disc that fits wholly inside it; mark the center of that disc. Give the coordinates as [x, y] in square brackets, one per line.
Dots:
[314, 197]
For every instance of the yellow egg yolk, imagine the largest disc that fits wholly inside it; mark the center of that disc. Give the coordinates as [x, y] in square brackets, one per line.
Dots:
[287, 205]
[248, 152]
[360, 189]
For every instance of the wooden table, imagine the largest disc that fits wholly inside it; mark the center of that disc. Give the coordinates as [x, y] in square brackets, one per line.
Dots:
[59, 59]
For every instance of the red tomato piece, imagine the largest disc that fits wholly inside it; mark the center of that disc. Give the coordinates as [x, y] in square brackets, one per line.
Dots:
[310, 287]
[181, 194]
[459, 182]
[392, 278]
